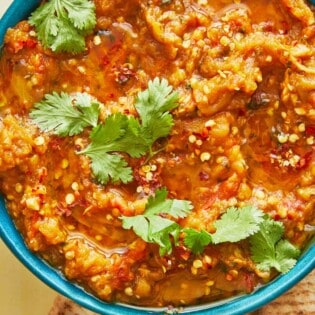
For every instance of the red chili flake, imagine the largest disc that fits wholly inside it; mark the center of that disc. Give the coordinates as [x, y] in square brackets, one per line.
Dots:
[241, 112]
[304, 161]
[310, 130]
[290, 216]
[277, 217]
[191, 24]
[285, 26]
[250, 283]
[30, 43]
[123, 74]
[55, 144]
[268, 26]
[236, 26]
[41, 199]
[155, 184]
[42, 173]
[121, 275]
[163, 215]
[18, 46]
[111, 95]
[204, 176]
[105, 61]
[204, 134]
[63, 209]
[182, 252]
[28, 173]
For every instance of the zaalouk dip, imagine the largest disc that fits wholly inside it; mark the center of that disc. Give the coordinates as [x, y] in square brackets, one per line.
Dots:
[234, 136]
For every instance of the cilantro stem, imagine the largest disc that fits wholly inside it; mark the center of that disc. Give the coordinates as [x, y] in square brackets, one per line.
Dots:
[151, 154]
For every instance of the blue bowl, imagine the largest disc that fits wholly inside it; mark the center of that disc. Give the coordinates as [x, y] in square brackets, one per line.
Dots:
[19, 10]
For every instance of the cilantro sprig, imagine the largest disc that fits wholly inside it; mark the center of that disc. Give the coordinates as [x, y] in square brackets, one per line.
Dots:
[122, 133]
[152, 227]
[268, 248]
[62, 25]
[67, 115]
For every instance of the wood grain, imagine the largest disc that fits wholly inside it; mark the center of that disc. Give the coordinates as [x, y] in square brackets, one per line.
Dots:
[297, 301]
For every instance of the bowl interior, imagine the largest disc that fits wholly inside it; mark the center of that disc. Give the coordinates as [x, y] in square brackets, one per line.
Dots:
[21, 9]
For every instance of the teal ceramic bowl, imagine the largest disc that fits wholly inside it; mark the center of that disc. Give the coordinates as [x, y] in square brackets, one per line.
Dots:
[20, 9]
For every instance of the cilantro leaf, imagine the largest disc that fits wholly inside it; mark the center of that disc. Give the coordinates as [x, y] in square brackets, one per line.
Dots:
[104, 136]
[62, 24]
[105, 139]
[65, 115]
[180, 208]
[132, 142]
[176, 208]
[153, 106]
[154, 228]
[110, 167]
[237, 224]
[66, 38]
[234, 225]
[160, 230]
[196, 241]
[80, 13]
[139, 224]
[286, 254]
[116, 134]
[269, 250]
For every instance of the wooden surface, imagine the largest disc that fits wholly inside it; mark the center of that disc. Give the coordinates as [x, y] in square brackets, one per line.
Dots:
[297, 301]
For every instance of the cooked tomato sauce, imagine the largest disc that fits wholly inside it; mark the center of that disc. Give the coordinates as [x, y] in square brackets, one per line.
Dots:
[244, 134]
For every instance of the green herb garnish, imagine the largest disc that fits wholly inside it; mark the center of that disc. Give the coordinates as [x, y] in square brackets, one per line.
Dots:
[152, 227]
[196, 241]
[236, 224]
[116, 134]
[270, 250]
[122, 133]
[62, 25]
[153, 106]
[66, 115]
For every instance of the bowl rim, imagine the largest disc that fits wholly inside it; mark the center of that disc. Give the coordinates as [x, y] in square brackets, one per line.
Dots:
[18, 10]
